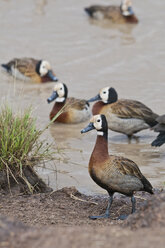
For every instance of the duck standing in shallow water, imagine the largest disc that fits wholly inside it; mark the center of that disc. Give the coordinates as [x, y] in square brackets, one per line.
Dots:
[74, 110]
[38, 71]
[113, 173]
[123, 116]
[116, 14]
[160, 127]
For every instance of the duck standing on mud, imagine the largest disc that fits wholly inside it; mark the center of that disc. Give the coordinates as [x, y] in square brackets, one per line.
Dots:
[113, 173]
[123, 115]
[116, 14]
[73, 110]
[160, 127]
[29, 69]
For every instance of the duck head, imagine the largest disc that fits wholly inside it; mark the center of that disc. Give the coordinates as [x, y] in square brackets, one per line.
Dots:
[126, 8]
[60, 93]
[99, 123]
[107, 95]
[43, 68]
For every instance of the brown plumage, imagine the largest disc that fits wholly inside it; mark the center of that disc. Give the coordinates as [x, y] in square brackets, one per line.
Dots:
[73, 110]
[38, 71]
[116, 14]
[123, 115]
[160, 127]
[113, 173]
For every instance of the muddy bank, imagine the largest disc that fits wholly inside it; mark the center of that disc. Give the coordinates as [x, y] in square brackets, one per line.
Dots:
[66, 207]
[61, 218]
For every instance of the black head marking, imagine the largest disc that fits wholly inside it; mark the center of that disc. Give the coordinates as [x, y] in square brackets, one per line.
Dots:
[38, 67]
[104, 124]
[66, 91]
[113, 96]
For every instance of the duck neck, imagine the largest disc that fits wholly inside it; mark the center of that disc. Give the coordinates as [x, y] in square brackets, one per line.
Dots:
[100, 151]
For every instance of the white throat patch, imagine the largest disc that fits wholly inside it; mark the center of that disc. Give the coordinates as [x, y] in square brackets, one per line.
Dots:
[60, 99]
[100, 133]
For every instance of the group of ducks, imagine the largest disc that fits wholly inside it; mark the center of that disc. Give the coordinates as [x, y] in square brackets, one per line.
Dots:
[113, 173]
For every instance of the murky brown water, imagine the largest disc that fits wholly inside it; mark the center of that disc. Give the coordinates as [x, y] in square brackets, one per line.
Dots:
[87, 57]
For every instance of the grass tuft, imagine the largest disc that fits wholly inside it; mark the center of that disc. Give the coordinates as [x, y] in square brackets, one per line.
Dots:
[20, 143]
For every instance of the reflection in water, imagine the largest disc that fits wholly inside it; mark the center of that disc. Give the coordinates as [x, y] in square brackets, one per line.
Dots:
[63, 132]
[140, 152]
[125, 31]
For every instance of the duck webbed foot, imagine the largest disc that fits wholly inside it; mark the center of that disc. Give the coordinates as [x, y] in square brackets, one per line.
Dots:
[123, 217]
[104, 216]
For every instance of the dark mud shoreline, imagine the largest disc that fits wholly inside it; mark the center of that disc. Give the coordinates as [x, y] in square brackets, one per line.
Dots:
[61, 218]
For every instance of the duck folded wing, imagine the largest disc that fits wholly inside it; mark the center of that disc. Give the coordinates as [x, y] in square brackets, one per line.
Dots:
[127, 167]
[110, 12]
[76, 103]
[134, 109]
[26, 66]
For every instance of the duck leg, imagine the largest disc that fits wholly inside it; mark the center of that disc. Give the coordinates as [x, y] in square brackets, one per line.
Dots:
[107, 214]
[133, 200]
[131, 137]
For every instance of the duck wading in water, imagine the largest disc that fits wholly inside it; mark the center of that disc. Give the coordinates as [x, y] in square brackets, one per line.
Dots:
[115, 14]
[29, 69]
[73, 110]
[123, 115]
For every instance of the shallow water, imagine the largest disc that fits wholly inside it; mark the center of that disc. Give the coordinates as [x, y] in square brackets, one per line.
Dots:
[87, 56]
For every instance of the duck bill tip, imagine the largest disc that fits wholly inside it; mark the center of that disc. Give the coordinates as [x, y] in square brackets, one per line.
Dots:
[52, 97]
[88, 128]
[52, 76]
[95, 98]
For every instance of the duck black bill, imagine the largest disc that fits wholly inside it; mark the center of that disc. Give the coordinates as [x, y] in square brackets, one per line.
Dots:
[52, 97]
[88, 128]
[96, 98]
[51, 76]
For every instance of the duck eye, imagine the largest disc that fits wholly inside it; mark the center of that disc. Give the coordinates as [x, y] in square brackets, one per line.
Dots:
[98, 120]
[60, 88]
[104, 92]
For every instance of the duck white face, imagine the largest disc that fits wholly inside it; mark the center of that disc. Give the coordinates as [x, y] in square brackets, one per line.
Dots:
[104, 94]
[44, 68]
[59, 94]
[97, 122]
[126, 7]
[59, 88]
